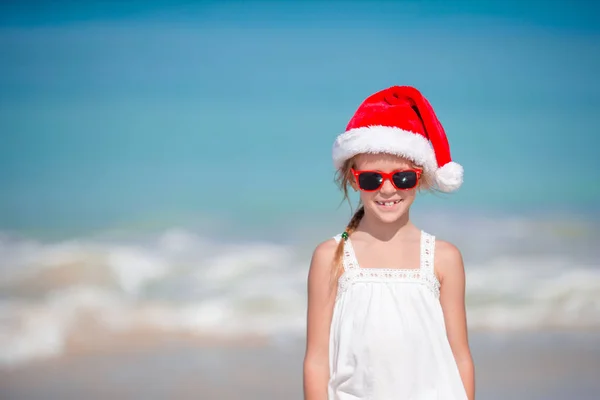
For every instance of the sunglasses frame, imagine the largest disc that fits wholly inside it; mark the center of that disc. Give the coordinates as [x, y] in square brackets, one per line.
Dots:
[386, 176]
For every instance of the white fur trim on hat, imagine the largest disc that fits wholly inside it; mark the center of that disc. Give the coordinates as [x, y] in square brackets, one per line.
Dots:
[383, 139]
[390, 140]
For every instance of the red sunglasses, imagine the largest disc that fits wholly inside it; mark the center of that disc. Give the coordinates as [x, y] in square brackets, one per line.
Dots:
[402, 179]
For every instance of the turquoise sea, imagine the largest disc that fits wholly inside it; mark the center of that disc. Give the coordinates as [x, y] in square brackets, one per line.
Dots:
[168, 165]
[230, 110]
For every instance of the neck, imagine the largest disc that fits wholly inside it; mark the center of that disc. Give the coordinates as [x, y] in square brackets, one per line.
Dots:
[386, 231]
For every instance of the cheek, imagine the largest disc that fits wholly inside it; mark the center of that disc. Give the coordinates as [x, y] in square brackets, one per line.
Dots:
[367, 196]
[410, 194]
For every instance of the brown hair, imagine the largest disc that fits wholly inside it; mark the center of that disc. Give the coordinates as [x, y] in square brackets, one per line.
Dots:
[343, 179]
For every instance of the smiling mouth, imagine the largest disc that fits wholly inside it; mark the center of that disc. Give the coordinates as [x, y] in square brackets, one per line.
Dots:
[388, 203]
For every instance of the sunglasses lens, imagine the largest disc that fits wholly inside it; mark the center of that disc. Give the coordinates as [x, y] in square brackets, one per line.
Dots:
[405, 179]
[369, 180]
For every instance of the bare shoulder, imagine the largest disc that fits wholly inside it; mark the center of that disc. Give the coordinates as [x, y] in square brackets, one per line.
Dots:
[448, 259]
[447, 251]
[324, 254]
[320, 272]
[326, 248]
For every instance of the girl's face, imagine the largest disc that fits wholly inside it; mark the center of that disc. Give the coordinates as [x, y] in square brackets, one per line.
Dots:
[387, 202]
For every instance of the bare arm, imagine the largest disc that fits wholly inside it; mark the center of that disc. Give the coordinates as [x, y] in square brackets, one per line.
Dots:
[321, 299]
[450, 268]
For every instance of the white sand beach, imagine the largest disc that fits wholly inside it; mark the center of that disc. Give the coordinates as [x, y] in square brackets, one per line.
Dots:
[532, 366]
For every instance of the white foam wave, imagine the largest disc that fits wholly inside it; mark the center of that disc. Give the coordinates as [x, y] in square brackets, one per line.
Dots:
[180, 282]
[533, 293]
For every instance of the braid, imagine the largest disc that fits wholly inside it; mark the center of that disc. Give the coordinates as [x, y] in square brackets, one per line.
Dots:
[356, 218]
[338, 266]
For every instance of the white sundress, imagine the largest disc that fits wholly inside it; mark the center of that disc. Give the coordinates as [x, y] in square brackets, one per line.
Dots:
[388, 337]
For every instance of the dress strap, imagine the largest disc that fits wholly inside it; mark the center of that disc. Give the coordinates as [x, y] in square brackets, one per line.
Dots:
[427, 253]
[349, 258]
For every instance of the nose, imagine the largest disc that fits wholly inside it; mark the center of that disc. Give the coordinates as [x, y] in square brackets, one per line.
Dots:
[387, 187]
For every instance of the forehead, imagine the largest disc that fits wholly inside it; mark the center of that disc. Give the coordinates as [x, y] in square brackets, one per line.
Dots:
[382, 162]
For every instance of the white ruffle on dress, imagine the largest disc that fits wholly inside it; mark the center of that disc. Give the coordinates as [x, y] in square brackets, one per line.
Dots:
[388, 337]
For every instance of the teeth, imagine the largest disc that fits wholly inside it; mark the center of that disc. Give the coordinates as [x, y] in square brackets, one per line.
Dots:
[388, 203]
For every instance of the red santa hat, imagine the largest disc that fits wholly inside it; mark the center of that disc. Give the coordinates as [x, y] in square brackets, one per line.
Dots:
[399, 120]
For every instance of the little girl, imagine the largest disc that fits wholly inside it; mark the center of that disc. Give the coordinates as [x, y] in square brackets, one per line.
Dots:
[386, 313]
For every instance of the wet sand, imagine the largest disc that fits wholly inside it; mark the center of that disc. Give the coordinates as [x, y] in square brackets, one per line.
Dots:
[533, 367]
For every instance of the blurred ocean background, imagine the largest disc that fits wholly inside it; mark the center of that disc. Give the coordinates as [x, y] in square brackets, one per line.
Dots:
[165, 173]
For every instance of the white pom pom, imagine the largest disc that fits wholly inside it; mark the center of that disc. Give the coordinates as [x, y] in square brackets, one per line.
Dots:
[449, 177]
